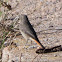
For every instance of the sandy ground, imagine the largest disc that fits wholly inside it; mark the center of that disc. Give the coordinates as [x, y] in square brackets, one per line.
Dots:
[45, 17]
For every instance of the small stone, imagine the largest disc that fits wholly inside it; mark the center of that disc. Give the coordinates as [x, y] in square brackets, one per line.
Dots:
[55, 55]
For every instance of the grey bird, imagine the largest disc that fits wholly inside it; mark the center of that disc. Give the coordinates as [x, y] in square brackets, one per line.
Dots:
[27, 30]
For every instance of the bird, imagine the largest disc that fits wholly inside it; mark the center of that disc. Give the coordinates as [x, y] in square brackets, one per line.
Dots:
[28, 31]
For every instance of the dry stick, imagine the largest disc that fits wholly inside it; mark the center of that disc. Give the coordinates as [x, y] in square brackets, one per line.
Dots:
[6, 5]
[5, 39]
[47, 30]
[34, 58]
[7, 28]
[0, 60]
[20, 57]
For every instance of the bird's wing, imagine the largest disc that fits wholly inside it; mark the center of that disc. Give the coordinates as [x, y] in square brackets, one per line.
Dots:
[25, 26]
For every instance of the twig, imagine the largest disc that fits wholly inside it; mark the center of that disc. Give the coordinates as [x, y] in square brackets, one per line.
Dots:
[5, 5]
[0, 60]
[5, 39]
[34, 58]
[49, 50]
[7, 28]
[20, 57]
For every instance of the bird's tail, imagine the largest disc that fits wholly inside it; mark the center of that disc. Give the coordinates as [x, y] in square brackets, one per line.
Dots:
[38, 43]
